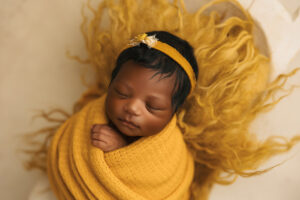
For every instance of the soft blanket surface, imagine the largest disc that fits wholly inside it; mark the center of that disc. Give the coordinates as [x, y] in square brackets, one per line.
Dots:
[154, 167]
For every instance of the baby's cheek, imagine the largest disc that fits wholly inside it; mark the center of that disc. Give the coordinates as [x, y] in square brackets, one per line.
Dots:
[112, 107]
[153, 127]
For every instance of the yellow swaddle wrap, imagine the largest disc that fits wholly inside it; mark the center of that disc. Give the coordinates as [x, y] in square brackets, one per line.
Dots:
[154, 167]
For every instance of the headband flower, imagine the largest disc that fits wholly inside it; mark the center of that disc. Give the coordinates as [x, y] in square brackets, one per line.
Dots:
[150, 41]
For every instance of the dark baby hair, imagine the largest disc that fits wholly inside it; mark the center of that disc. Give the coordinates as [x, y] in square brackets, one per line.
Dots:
[163, 64]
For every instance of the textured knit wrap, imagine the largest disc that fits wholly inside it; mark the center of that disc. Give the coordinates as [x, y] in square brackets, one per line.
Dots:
[153, 167]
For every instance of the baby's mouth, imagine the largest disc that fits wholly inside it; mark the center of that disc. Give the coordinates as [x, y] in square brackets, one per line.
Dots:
[129, 124]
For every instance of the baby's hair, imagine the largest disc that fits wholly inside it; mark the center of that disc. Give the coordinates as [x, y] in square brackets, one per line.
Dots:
[164, 65]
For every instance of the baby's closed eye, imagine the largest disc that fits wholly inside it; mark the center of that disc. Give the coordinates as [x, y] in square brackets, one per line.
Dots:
[121, 93]
[154, 107]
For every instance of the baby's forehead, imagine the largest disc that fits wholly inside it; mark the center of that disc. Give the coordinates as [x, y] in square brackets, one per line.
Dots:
[133, 70]
[136, 77]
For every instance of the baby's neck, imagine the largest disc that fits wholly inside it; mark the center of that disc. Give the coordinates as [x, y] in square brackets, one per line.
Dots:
[130, 139]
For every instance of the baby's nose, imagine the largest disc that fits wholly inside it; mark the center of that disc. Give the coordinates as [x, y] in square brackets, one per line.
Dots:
[133, 107]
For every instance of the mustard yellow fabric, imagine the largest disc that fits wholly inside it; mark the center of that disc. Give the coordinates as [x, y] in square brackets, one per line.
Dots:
[155, 167]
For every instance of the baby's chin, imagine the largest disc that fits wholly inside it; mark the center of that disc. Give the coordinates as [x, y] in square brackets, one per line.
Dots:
[129, 136]
[127, 131]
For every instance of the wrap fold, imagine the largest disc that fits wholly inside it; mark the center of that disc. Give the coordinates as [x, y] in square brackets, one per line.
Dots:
[154, 167]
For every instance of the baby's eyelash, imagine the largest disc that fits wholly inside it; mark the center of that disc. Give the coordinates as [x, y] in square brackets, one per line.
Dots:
[152, 108]
[120, 93]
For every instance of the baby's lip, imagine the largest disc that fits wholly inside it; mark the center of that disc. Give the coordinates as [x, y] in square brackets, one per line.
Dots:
[128, 123]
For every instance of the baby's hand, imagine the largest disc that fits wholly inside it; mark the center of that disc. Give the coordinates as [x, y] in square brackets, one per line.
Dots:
[106, 138]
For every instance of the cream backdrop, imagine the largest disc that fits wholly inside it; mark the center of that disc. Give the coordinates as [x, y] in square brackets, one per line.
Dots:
[35, 74]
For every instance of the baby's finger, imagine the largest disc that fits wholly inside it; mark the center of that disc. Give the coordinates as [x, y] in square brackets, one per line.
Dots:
[96, 128]
[100, 128]
[100, 136]
[100, 144]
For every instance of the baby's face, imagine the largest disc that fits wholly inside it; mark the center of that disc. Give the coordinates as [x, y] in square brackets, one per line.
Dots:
[139, 103]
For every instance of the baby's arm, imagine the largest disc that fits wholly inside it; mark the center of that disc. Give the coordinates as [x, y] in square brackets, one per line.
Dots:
[106, 138]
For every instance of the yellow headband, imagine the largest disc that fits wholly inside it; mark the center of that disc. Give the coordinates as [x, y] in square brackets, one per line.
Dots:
[152, 42]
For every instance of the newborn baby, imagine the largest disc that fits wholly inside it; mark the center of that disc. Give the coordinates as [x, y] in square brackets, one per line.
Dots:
[146, 89]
